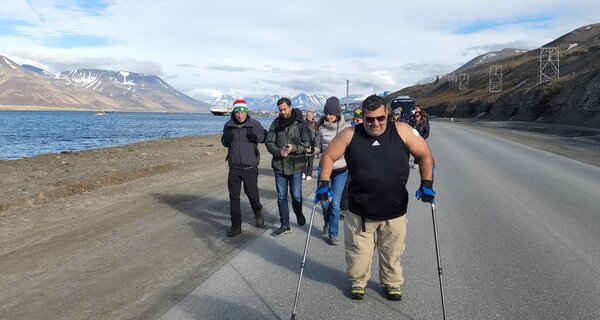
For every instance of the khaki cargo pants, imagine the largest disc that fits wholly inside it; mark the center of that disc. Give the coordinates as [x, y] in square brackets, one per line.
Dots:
[387, 235]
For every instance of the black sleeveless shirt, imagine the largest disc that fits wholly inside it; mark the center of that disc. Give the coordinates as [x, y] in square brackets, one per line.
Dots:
[378, 167]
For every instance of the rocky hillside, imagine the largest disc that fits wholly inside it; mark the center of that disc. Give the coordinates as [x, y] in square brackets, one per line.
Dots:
[573, 98]
[26, 87]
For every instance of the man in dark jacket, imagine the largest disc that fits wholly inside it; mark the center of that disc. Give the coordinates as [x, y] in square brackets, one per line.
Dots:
[288, 140]
[241, 134]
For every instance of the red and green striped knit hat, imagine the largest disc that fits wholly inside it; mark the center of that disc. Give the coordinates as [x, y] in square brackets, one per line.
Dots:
[240, 106]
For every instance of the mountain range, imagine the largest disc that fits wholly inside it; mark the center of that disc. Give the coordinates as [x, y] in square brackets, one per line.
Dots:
[302, 101]
[572, 98]
[28, 87]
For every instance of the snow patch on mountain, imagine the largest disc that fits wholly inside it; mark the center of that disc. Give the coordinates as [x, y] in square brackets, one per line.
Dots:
[489, 58]
[8, 63]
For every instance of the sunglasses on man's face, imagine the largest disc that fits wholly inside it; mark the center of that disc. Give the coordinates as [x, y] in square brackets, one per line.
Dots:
[372, 119]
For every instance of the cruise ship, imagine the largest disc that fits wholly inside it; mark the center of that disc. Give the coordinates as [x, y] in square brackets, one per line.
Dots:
[221, 110]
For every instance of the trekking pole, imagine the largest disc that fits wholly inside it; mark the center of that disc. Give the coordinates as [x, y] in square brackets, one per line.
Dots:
[439, 263]
[312, 216]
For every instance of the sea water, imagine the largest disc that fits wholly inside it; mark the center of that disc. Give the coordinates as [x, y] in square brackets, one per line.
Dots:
[30, 133]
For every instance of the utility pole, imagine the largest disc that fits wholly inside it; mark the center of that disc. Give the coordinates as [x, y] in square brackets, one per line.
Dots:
[495, 83]
[463, 81]
[549, 63]
[347, 93]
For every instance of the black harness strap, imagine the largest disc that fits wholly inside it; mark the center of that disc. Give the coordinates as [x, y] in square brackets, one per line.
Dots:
[364, 225]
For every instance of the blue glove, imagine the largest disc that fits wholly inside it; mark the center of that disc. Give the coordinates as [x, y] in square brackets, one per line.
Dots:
[323, 192]
[425, 192]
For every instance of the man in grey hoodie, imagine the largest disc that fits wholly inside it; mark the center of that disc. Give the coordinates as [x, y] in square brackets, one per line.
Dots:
[241, 134]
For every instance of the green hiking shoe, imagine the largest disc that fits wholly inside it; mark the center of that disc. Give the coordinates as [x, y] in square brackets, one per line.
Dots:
[357, 293]
[392, 293]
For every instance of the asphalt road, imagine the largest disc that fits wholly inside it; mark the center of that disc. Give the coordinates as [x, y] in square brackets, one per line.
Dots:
[519, 239]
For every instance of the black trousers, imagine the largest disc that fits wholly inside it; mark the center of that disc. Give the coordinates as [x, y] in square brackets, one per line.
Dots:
[309, 165]
[249, 178]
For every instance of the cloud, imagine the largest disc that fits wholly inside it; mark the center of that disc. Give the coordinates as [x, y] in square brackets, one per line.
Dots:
[60, 62]
[491, 23]
[73, 41]
[382, 45]
[428, 68]
[517, 44]
[230, 68]
[301, 85]
[186, 65]
[204, 94]
[354, 52]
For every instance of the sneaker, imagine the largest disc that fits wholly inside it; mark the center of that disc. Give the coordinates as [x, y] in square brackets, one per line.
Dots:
[334, 241]
[326, 228]
[301, 219]
[281, 231]
[260, 221]
[304, 176]
[233, 232]
[308, 178]
[357, 293]
[392, 293]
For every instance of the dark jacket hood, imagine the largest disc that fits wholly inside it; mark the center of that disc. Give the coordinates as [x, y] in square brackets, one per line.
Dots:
[284, 123]
[297, 114]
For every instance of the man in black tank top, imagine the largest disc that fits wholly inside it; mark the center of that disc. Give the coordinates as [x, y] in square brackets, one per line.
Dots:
[376, 154]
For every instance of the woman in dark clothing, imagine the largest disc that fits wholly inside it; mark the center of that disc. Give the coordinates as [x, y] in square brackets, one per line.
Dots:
[310, 120]
[421, 124]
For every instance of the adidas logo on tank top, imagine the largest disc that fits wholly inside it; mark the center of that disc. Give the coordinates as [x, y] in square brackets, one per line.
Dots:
[375, 144]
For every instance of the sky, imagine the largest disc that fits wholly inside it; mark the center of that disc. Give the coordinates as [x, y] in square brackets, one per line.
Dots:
[253, 48]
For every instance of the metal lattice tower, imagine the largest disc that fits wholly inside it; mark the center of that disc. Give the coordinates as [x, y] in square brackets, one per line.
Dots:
[549, 63]
[495, 84]
[452, 78]
[463, 81]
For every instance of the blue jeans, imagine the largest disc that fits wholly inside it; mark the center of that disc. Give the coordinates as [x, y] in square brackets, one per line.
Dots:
[331, 210]
[295, 184]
